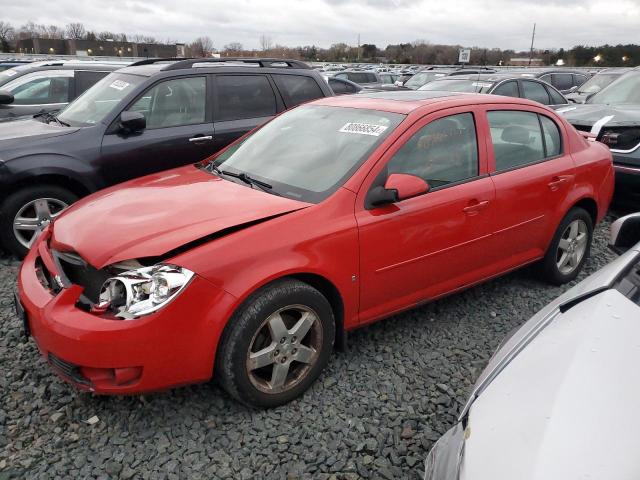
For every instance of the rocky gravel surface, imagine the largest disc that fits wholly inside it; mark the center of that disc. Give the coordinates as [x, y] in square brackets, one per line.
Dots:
[374, 413]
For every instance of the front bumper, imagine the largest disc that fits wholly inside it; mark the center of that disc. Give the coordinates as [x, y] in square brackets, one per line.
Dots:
[173, 346]
[627, 177]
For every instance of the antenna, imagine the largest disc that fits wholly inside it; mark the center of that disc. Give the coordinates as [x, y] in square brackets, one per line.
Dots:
[533, 35]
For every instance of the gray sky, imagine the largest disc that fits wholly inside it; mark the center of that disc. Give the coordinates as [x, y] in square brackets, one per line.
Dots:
[485, 23]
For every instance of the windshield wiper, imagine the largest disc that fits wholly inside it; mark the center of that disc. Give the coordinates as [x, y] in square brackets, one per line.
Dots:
[48, 117]
[245, 178]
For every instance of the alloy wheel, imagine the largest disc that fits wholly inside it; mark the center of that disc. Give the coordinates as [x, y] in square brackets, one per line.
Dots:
[33, 217]
[572, 246]
[284, 349]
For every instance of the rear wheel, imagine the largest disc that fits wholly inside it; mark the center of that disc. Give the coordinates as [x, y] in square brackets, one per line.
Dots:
[276, 344]
[569, 248]
[25, 213]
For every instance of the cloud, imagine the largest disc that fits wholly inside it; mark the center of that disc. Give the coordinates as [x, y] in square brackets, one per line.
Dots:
[485, 23]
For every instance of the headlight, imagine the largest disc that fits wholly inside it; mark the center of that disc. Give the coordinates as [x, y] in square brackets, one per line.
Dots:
[620, 138]
[139, 292]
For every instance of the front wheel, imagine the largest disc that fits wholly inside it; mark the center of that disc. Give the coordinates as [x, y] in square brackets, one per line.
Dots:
[26, 212]
[569, 248]
[276, 344]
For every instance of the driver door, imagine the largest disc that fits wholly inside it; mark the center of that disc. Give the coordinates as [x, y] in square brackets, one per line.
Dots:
[420, 248]
[179, 131]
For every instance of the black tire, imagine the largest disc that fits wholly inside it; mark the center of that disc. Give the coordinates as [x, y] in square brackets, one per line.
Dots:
[549, 270]
[18, 199]
[231, 368]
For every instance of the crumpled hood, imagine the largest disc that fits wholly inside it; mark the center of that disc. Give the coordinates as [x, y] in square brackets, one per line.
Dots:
[589, 113]
[153, 215]
[567, 406]
[13, 133]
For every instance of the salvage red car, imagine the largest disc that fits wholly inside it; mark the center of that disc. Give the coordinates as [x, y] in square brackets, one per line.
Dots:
[249, 266]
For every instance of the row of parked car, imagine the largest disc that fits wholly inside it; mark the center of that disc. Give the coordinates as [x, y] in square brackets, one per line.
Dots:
[245, 247]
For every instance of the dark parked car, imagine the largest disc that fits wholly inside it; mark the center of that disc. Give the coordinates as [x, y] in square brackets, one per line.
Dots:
[40, 87]
[151, 116]
[362, 78]
[595, 84]
[342, 86]
[433, 73]
[501, 84]
[613, 116]
[561, 78]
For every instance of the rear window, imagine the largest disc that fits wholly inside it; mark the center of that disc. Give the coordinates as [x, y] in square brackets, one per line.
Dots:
[85, 79]
[244, 96]
[296, 89]
[562, 81]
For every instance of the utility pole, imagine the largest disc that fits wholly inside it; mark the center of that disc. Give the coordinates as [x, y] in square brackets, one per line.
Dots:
[358, 47]
[533, 35]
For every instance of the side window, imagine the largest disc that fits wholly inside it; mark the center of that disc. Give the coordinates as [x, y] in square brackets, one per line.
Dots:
[546, 78]
[173, 103]
[244, 96]
[556, 98]
[516, 138]
[552, 138]
[442, 152]
[42, 91]
[508, 89]
[562, 81]
[534, 91]
[372, 78]
[296, 89]
[579, 79]
[87, 78]
[341, 88]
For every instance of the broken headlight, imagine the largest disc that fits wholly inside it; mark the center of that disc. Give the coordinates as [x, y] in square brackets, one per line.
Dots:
[139, 292]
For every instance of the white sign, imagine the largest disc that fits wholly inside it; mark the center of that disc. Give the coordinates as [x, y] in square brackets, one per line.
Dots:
[465, 55]
[363, 129]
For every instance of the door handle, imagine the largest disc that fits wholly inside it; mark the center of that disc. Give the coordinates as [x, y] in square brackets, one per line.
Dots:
[201, 138]
[556, 182]
[476, 207]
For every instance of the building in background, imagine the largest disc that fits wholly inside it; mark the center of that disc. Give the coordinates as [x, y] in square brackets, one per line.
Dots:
[89, 48]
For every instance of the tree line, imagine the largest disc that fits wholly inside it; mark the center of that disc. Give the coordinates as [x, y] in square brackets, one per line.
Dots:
[416, 52]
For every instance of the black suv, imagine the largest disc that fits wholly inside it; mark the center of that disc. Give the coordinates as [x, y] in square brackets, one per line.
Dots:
[153, 115]
[40, 87]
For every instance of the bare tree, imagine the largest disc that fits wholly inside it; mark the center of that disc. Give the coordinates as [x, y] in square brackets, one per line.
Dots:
[6, 31]
[75, 30]
[202, 47]
[54, 31]
[233, 49]
[266, 42]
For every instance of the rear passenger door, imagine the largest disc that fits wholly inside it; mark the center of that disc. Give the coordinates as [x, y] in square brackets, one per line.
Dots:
[532, 174]
[241, 103]
[297, 89]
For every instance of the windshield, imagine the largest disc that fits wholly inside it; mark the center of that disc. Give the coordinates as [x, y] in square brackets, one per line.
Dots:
[625, 89]
[95, 104]
[309, 152]
[598, 82]
[473, 86]
[420, 79]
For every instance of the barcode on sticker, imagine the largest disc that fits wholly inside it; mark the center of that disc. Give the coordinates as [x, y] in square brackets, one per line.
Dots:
[363, 129]
[119, 85]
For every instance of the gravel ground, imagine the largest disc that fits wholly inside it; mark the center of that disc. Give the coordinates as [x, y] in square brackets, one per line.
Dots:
[374, 413]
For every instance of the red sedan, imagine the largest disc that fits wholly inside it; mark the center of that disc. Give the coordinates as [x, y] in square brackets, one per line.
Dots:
[249, 266]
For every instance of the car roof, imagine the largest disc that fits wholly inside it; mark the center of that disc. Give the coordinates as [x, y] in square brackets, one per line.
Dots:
[407, 101]
[71, 65]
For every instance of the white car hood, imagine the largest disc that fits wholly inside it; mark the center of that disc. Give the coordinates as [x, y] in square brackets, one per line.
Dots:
[567, 406]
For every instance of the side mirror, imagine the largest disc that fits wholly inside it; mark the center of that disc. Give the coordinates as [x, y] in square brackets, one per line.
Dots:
[625, 233]
[399, 186]
[132, 122]
[5, 98]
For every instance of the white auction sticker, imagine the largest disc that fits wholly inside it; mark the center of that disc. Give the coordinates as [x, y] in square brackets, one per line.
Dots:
[9, 73]
[482, 84]
[363, 129]
[119, 85]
